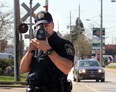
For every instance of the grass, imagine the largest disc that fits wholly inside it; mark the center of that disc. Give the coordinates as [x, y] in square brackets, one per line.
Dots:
[112, 67]
[11, 78]
[7, 78]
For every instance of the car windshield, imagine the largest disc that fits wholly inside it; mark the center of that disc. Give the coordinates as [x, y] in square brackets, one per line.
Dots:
[88, 64]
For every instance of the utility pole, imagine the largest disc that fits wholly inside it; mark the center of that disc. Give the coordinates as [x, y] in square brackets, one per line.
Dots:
[70, 28]
[46, 5]
[101, 38]
[16, 39]
[58, 25]
[78, 38]
[31, 31]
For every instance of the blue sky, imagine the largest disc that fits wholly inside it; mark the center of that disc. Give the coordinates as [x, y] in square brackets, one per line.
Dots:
[89, 9]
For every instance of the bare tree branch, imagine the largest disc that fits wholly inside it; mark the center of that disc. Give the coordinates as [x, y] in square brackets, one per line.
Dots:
[6, 22]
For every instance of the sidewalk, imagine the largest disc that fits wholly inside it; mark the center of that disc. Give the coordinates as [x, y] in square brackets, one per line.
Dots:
[110, 70]
[76, 88]
[12, 89]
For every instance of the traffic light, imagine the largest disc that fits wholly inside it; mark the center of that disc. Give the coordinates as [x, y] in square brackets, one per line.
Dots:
[23, 28]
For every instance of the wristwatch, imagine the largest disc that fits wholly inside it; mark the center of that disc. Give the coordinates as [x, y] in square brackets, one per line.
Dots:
[49, 51]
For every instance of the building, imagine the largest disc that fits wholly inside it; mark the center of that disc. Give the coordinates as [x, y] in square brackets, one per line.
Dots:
[110, 49]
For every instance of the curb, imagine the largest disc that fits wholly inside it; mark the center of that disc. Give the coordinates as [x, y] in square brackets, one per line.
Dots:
[13, 84]
[1, 86]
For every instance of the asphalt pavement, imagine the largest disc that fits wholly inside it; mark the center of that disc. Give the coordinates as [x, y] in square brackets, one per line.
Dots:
[79, 88]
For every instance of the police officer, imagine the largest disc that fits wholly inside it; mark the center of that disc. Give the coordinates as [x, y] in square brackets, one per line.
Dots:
[52, 60]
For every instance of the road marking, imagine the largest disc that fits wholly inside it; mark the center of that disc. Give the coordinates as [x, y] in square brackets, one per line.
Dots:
[94, 90]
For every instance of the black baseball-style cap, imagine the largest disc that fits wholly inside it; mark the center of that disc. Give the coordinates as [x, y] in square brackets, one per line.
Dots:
[43, 17]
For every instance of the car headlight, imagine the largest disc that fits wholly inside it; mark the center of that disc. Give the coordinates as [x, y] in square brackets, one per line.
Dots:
[100, 70]
[82, 71]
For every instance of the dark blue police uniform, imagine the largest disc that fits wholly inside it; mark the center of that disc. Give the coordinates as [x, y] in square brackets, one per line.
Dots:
[43, 73]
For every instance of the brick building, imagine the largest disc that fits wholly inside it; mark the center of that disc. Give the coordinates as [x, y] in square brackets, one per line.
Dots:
[110, 49]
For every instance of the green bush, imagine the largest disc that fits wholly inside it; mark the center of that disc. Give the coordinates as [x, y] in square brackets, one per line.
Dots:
[5, 63]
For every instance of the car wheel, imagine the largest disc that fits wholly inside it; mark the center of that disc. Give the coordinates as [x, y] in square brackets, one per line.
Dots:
[78, 79]
[102, 80]
[97, 80]
[74, 79]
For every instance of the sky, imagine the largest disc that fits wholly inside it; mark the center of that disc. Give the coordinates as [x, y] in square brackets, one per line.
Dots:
[89, 10]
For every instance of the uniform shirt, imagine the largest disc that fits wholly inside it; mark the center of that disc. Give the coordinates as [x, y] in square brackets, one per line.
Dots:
[42, 69]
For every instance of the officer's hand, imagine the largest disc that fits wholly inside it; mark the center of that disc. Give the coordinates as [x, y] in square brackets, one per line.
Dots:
[31, 46]
[41, 44]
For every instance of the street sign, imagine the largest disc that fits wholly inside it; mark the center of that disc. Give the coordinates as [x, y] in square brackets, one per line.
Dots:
[96, 42]
[96, 31]
[28, 11]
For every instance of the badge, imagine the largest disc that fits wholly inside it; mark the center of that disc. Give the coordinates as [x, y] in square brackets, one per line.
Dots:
[40, 15]
[69, 49]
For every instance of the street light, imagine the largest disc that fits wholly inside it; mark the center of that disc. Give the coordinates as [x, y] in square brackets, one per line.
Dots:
[93, 21]
[97, 32]
[101, 29]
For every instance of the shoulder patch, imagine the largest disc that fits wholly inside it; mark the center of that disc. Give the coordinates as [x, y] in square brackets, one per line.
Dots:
[69, 49]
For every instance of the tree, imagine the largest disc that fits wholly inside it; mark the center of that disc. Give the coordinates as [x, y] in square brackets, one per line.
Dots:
[6, 22]
[84, 43]
[78, 28]
[74, 34]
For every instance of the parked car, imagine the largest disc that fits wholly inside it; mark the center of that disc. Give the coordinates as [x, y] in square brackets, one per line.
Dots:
[88, 70]
[114, 59]
[6, 56]
[109, 58]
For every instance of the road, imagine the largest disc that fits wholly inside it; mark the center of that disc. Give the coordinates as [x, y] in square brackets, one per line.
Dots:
[84, 86]
[108, 86]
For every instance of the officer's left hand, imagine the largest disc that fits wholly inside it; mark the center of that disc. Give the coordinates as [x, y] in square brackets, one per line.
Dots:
[41, 44]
